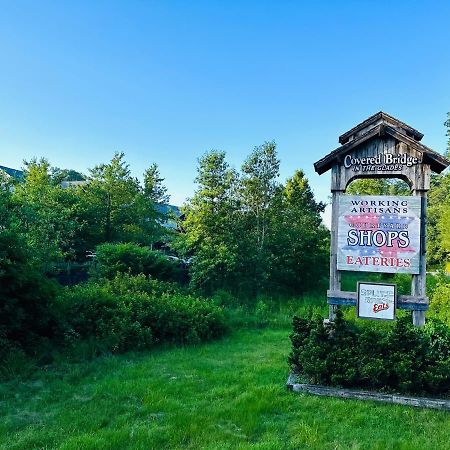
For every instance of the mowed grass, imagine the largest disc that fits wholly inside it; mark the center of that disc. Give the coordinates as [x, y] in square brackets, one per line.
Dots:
[223, 395]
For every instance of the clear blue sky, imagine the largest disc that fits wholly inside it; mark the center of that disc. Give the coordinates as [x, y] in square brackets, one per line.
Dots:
[166, 81]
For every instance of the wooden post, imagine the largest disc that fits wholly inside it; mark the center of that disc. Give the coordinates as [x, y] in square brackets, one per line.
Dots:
[419, 281]
[335, 275]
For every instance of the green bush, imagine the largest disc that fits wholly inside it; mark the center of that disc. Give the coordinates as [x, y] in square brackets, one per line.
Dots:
[124, 283]
[134, 315]
[26, 295]
[440, 301]
[92, 311]
[14, 362]
[224, 298]
[112, 259]
[402, 358]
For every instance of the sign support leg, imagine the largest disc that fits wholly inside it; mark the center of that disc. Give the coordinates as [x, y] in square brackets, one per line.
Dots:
[418, 283]
[335, 275]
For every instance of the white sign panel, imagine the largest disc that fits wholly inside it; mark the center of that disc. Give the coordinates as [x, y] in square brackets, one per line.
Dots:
[378, 233]
[376, 301]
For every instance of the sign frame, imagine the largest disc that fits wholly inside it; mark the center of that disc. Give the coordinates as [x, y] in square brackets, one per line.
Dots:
[381, 147]
[396, 218]
[358, 300]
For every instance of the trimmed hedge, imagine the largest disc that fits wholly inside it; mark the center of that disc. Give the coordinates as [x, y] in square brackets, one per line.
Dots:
[400, 358]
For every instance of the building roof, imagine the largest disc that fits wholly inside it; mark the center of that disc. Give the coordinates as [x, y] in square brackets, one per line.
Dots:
[380, 125]
[14, 173]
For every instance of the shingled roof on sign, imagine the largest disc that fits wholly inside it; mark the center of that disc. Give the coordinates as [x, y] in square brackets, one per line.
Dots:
[372, 121]
[380, 125]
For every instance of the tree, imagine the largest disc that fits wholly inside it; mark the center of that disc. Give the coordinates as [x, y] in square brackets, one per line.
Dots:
[46, 214]
[298, 194]
[117, 208]
[258, 187]
[444, 229]
[260, 194]
[300, 243]
[153, 186]
[209, 225]
[25, 292]
[60, 175]
[249, 234]
[438, 219]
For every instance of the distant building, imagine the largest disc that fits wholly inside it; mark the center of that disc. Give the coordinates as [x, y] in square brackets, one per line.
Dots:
[12, 173]
[19, 176]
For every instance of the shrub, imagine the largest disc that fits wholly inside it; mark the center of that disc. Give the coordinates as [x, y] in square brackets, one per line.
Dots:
[124, 283]
[112, 259]
[405, 358]
[224, 298]
[26, 295]
[403, 282]
[135, 316]
[440, 302]
[92, 311]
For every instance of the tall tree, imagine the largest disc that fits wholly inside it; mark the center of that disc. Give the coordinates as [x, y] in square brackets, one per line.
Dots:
[116, 207]
[248, 233]
[210, 234]
[298, 194]
[439, 211]
[154, 188]
[25, 292]
[260, 194]
[300, 245]
[259, 185]
[46, 214]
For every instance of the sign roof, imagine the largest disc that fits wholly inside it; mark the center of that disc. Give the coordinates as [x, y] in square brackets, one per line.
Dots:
[378, 126]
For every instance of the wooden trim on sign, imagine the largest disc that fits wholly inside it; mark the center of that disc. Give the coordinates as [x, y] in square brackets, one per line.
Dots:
[408, 302]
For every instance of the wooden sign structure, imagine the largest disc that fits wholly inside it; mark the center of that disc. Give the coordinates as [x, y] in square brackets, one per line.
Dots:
[381, 147]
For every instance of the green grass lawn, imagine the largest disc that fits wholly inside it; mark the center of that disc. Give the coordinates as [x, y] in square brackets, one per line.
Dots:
[227, 394]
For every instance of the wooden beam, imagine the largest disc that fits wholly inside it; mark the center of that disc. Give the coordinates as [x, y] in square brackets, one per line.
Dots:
[356, 394]
[408, 302]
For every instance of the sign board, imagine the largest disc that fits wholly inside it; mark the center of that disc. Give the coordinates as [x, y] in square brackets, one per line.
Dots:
[378, 233]
[381, 162]
[376, 301]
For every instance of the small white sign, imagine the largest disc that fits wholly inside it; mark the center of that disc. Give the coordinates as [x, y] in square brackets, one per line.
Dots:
[376, 301]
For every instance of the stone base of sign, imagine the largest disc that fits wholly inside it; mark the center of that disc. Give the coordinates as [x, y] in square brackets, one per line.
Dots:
[419, 402]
